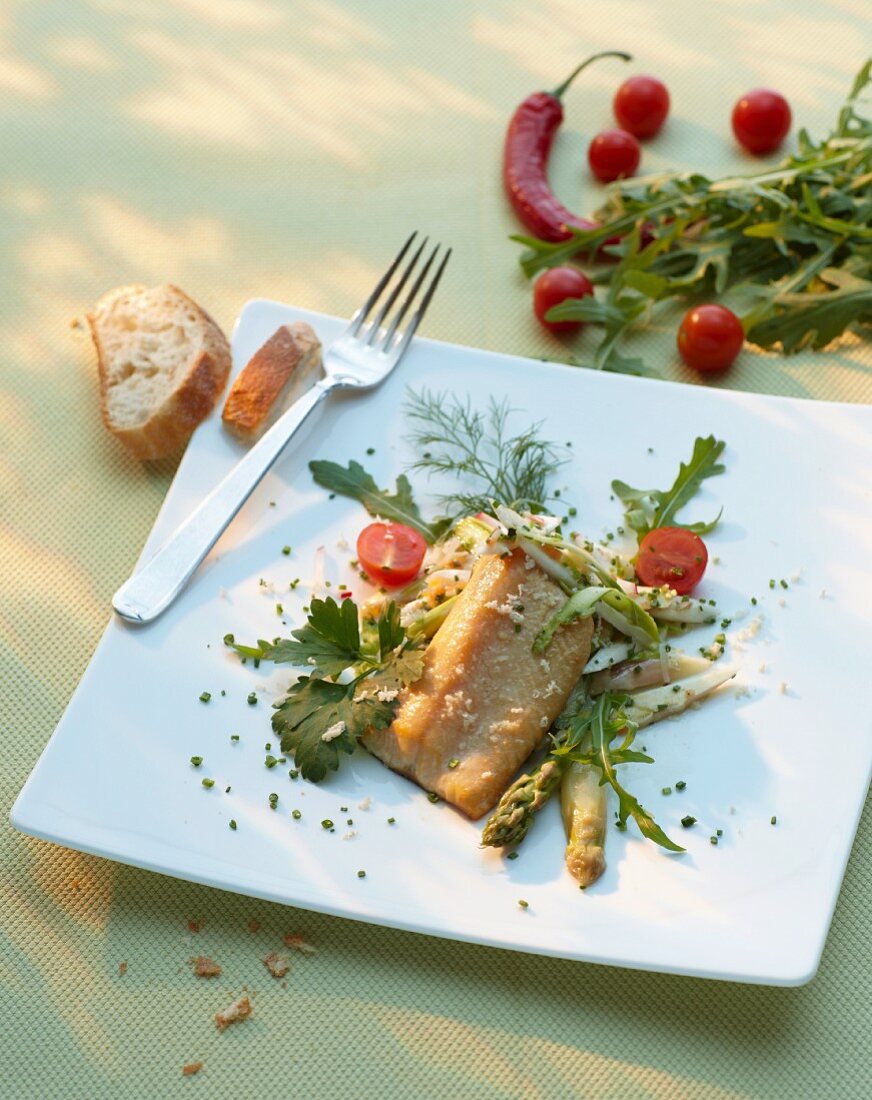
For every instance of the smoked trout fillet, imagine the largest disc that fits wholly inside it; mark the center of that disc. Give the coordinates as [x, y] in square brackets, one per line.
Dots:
[485, 699]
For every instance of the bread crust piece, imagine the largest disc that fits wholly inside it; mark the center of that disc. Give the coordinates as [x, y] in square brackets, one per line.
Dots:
[278, 373]
[485, 699]
[173, 422]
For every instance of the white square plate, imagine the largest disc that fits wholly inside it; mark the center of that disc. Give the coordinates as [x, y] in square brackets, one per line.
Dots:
[792, 740]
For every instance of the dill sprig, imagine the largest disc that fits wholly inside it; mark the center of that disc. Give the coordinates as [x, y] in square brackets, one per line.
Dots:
[477, 448]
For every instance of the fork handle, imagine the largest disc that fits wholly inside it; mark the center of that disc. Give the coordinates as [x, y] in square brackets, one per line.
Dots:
[154, 587]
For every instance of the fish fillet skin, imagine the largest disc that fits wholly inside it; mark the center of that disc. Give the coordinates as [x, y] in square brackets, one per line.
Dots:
[485, 700]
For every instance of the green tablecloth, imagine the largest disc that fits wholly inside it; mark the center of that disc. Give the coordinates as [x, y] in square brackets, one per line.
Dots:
[265, 148]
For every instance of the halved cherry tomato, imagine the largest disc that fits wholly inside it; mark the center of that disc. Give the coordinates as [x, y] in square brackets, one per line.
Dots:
[710, 337]
[673, 556]
[554, 287]
[613, 154]
[641, 106]
[390, 553]
[761, 120]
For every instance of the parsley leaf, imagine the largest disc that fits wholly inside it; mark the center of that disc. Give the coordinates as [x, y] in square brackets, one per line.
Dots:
[320, 718]
[314, 709]
[646, 509]
[329, 642]
[353, 481]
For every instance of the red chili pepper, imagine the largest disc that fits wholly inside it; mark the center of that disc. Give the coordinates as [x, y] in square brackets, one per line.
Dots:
[525, 161]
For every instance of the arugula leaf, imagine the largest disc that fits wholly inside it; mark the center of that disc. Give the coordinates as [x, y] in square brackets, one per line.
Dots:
[628, 616]
[816, 319]
[314, 709]
[607, 722]
[353, 481]
[647, 509]
[588, 740]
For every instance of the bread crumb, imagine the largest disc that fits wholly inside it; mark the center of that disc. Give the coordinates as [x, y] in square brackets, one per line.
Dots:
[822, 595]
[191, 1068]
[204, 967]
[253, 926]
[762, 667]
[365, 803]
[741, 692]
[350, 835]
[336, 730]
[193, 926]
[276, 964]
[296, 942]
[122, 968]
[239, 1010]
[782, 687]
[782, 602]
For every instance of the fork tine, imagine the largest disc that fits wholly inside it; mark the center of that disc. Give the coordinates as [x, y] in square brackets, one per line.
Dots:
[361, 315]
[375, 326]
[417, 316]
[410, 297]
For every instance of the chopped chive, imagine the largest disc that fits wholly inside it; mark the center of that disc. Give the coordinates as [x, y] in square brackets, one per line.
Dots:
[666, 790]
[687, 821]
[229, 639]
[234, 737]
[433, 797]
[392, 821]
[252, 698]
[294, 773]
[227, 790]
[196, 761]
[713, 840]
[296, 815]
[205, 696]
[719, 832]
[327, 823]
[512, 855]
[453, 762]
[208, 783]
[270, 761]
[361, 874]
[523, 904]
[680, 785]
[286, 550]
[772, 820]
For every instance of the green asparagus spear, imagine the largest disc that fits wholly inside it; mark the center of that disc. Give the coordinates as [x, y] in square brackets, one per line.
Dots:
[509, 822]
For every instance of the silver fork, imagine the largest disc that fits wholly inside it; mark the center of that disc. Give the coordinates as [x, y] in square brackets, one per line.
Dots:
[362, 357]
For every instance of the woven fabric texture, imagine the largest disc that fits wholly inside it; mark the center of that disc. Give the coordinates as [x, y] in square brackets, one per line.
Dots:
[279, 148]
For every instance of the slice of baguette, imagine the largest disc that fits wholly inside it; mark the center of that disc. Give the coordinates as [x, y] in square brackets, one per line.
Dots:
[163, 363]
[278, 373]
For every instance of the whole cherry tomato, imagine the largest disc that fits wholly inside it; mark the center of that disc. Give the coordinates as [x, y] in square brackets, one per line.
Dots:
[613, 154]
[555, 286]
[390, 553]
[761, 120]
[673, 556]
[641, 105]
[710, 337]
